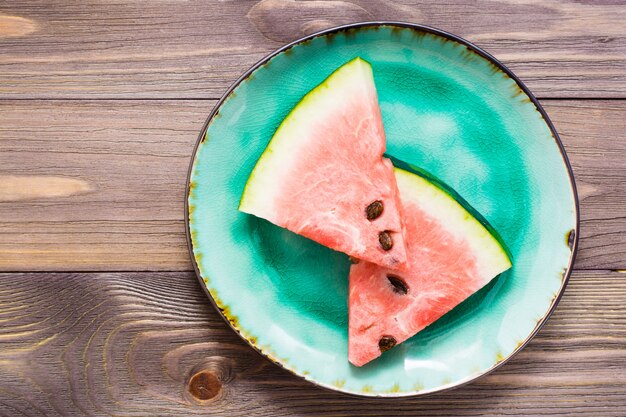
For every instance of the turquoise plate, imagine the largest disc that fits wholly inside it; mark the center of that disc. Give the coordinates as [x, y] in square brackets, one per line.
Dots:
[449, 108]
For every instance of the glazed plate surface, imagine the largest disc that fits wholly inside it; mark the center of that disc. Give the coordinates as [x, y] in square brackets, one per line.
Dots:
[448, 108]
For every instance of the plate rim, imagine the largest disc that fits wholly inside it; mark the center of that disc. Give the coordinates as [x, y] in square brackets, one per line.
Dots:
[449, 36]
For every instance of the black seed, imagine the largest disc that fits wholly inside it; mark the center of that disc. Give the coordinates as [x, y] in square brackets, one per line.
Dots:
[398, 285]
[386, 242]
[374, 210]
[386, 342]
[353, 260]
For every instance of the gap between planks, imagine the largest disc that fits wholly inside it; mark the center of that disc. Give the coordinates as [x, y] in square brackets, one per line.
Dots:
[219, 98]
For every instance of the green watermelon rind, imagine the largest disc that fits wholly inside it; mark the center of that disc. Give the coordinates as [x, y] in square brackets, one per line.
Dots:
[272, 154]
[277, 152]
[476, 228]
[405, 166]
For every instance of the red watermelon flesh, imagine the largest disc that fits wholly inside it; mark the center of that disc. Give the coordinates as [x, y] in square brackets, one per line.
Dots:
[451, 255]
[323, 174]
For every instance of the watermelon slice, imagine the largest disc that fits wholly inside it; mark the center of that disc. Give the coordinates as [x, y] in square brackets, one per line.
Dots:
[451, 255]
[323, 174]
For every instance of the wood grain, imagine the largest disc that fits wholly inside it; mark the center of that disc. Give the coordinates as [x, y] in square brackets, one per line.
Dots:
[100, 106]
[128, 160]
[192, 49]
[129, 344]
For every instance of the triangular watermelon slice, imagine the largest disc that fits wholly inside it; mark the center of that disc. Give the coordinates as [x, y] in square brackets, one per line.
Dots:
[323, 174]
[451, 255]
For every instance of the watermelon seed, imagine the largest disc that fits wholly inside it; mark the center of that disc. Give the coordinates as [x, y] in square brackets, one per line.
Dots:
[399, 286]
[386, 342]
[385, 240]
[353, 260]
[374, 210]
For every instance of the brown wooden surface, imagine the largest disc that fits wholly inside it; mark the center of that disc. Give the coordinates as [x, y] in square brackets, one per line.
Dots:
[100, 106]
[100, 185]
[174, 49]
[128, 343]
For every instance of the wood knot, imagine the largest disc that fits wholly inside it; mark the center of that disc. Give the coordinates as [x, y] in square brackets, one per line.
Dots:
[269, 17]
[36, 187]
[204, 386]
[15, 26]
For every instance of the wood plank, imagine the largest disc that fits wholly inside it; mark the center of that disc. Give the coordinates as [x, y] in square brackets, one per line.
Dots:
[594, 136]
[130, 159]
[115, 173]
[129, 343]
[191, 49]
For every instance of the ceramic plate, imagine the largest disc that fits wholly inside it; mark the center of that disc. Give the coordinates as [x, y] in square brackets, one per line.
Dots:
[449, 108]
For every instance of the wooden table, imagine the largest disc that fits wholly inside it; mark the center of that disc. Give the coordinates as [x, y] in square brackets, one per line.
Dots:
[100, 105]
